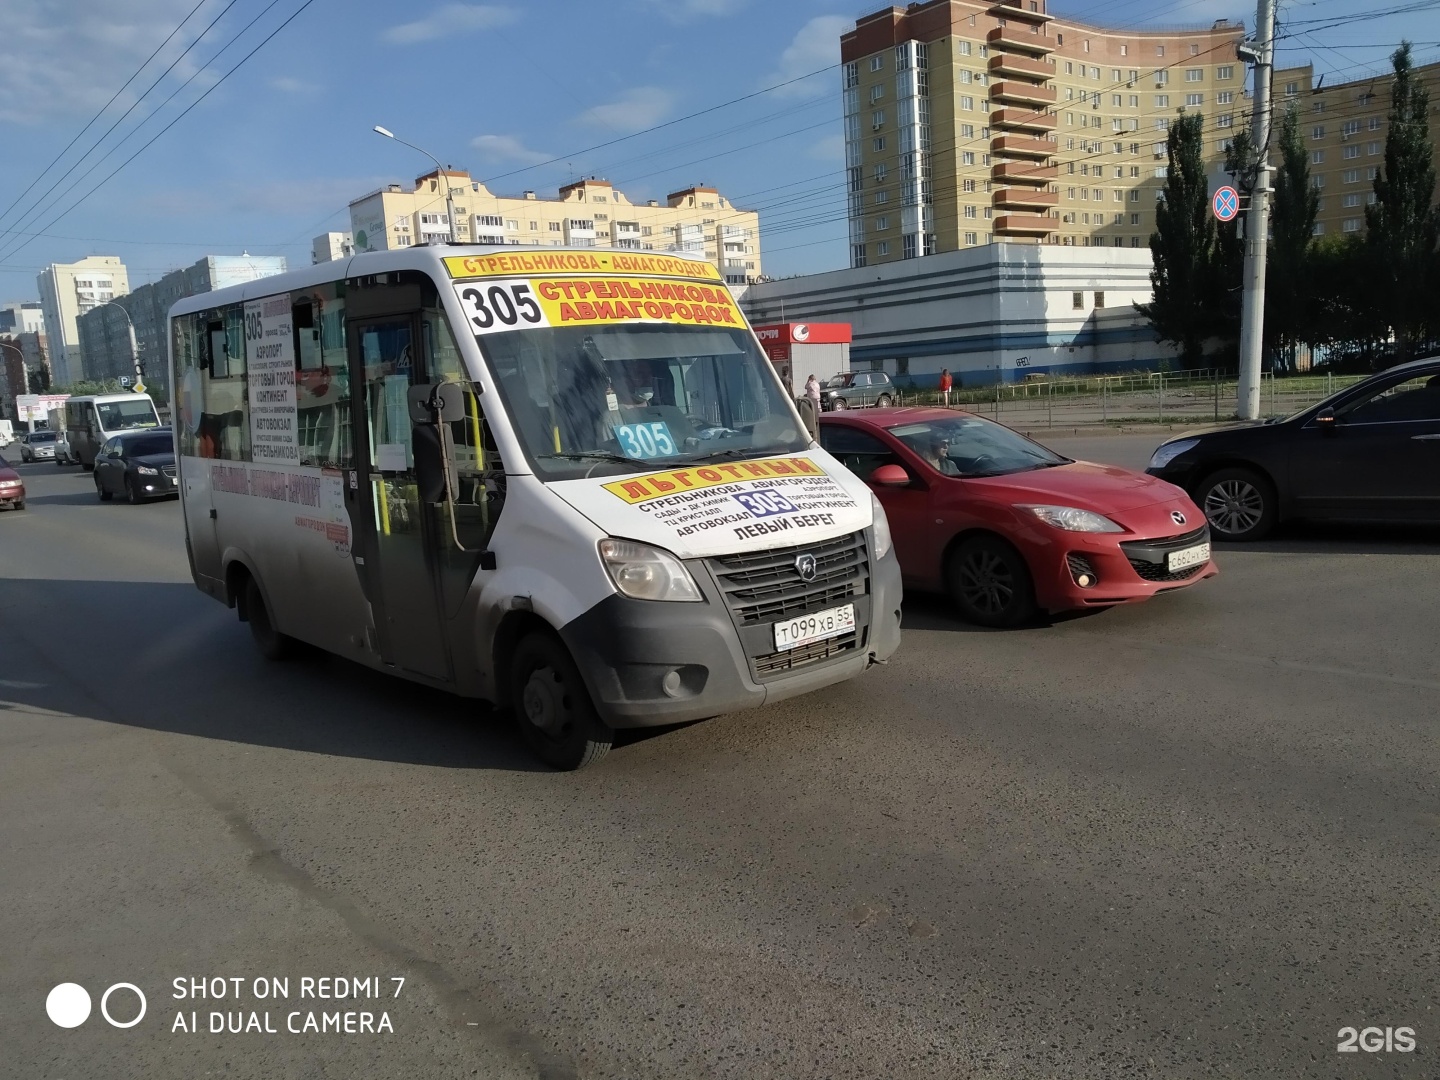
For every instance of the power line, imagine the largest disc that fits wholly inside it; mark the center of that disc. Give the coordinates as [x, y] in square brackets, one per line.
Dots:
[91, 122]
[72, 206]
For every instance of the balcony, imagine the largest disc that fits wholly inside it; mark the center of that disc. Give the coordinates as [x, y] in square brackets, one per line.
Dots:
[1023, 119]
[1016, 172]
[1025, 199]
[1015, 9]
[1010, 64]
[1020, 146]
[1025, 225]
[1012, 37]
[1023, 93]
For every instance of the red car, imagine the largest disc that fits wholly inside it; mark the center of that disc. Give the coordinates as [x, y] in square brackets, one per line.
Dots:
[1009, 528]
[12, 488]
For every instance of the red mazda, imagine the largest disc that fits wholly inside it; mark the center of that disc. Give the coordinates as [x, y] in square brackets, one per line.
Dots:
[1007, 527]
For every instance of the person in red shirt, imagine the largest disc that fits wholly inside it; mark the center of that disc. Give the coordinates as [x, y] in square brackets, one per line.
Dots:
[945, 383]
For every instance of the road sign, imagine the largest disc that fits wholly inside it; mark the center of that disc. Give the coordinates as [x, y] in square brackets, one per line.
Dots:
[1225, 203]
[139, 387]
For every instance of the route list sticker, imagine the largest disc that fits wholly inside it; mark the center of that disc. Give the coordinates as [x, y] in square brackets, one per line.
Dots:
[270, 359]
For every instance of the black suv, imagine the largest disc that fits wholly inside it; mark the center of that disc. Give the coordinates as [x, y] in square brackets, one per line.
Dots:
[856, 389]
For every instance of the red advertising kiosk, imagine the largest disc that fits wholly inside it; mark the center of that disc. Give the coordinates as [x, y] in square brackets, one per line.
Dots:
[799, 350]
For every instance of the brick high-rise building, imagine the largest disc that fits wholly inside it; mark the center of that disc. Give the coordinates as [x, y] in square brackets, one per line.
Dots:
[969, 122]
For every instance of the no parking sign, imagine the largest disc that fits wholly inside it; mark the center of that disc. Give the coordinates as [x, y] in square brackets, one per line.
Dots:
[1225, 203]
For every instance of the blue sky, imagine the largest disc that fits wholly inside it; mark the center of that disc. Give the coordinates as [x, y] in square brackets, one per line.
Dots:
[275, 151]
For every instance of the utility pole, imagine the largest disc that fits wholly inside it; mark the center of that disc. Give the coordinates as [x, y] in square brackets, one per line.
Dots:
[1261, 53]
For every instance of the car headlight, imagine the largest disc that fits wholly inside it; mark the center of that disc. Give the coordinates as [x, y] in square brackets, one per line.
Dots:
[1073, 519]
[647, 573]
[882, 528]
[1170, 451]
[146, 470]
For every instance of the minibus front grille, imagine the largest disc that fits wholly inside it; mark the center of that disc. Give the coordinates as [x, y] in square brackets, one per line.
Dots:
[765, 586]
[781, 662]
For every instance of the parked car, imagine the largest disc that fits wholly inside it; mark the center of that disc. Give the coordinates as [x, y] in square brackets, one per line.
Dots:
[857, 389]
[139, 465]
[1370, 453]
[37, 446]
[1009, 528]
[12, 487]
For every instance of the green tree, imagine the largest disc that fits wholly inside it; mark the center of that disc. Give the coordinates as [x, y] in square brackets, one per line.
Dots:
[1182, 279]
[1402, 225]
[1292, 227]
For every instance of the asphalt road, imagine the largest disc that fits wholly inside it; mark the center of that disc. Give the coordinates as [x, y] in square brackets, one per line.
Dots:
[1192, 838]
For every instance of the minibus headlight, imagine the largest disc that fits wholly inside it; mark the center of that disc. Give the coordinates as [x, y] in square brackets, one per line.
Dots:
[882, 528]
[647, 573]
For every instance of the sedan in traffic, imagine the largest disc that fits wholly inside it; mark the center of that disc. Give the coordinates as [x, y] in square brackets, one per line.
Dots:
[1370, 453]
[1009, 528]
[137, 464]
[12, 487]
[37, 446]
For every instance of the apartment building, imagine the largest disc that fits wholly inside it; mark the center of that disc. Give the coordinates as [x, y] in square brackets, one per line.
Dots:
[586, 213]
[67, 291]
[970, 122]
[1344, 125]
[330, 246]
[105, 332]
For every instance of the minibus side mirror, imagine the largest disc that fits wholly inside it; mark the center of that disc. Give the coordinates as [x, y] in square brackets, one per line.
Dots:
[436, 403]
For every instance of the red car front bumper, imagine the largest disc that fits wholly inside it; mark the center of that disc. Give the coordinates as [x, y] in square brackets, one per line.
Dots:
[1120, 568]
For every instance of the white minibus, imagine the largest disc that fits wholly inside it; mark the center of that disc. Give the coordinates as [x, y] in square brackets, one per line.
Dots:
[565, 481]
[90, 419]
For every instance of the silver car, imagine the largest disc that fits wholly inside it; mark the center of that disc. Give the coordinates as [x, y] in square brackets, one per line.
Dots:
[37, 446]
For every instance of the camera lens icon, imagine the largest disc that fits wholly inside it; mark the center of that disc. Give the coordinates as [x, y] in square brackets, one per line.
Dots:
[68, 1005]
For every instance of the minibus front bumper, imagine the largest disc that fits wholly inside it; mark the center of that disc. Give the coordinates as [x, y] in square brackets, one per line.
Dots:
[650, 663]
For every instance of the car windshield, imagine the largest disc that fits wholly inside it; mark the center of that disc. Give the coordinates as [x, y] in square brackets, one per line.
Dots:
[973, 446]
[125, 415]
[145, 445]
[603, 400]
[42, 436]
[842, 379]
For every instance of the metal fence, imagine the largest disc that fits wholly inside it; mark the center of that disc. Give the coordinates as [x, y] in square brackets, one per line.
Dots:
[1140, 397]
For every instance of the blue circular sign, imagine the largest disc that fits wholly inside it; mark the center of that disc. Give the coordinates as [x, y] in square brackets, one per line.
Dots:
[1225, 203]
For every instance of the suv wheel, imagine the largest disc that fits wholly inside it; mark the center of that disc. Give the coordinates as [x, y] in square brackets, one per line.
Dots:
[883, 401]
[838, 403]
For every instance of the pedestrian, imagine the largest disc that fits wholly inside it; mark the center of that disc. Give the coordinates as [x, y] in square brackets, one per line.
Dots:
[945, 383]
[812, 391]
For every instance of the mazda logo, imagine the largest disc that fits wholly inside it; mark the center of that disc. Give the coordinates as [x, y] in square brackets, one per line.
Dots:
[1177, 517]
[806, 567]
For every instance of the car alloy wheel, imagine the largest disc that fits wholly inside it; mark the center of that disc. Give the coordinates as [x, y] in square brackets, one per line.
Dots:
[883, 401]
[839, 403]
[1238, 504]
[990, 583]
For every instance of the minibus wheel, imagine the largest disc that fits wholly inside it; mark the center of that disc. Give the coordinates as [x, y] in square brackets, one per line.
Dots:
[273, 645]
[552, 706]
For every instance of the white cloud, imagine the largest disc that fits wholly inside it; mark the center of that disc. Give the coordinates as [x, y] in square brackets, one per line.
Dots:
[678, 11]
[507, 148]
[286, 85]
[815, 45]
[830, 148]
[637, 108]
[450, 19]
[64, 60]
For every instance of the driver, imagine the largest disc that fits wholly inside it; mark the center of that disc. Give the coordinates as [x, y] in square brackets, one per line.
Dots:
[937, 456]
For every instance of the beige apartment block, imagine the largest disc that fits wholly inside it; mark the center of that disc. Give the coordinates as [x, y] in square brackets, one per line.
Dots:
[67, 291]
[587, 213]
[1344, 126]
[969, 122]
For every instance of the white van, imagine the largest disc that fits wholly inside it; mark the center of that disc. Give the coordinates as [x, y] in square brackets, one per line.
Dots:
[90, 419]
[563, 480]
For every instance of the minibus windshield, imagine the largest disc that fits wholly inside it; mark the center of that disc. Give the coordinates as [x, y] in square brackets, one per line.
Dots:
[126, 415]
[603, 400]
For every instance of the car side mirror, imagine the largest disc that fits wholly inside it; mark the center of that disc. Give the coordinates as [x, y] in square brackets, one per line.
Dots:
[1325, 420]
[890, 476]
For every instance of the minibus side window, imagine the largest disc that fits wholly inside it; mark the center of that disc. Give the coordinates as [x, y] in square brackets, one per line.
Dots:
[322, 379]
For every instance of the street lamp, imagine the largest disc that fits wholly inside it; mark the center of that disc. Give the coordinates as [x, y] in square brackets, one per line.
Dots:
[439, 175]
[134, 348]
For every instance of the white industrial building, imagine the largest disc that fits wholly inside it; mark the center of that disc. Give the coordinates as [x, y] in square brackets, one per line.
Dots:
[999, 311]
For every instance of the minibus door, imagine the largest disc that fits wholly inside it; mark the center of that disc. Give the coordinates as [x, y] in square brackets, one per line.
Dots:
[395, 532]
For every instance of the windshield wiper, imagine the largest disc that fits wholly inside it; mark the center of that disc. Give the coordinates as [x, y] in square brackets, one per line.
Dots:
[733, 452]
[596, 455]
